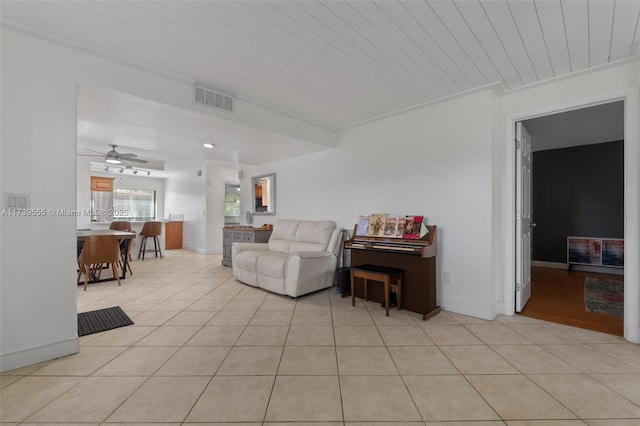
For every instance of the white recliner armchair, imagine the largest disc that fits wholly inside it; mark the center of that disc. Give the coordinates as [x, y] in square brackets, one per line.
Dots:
[299, 258]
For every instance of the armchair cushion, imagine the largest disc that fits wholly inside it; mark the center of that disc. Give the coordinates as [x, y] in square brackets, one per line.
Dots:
[297, 235]
[249, 259]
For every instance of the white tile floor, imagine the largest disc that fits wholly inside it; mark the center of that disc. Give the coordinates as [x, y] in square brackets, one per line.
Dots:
[206, 349]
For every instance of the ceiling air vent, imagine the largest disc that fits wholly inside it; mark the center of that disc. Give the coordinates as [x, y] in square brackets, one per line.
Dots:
[211, 99]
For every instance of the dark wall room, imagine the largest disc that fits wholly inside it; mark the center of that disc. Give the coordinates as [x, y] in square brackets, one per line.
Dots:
[577, 191]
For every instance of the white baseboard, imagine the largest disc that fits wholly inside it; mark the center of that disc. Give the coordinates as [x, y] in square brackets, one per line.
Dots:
[476, 311]
[195, 249]
[200, 250]
[598, 269]
[552, 265]
[581, 268]
[18, 359]
[498, 308]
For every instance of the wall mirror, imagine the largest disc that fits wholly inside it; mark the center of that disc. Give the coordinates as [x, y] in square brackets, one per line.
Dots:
[264, 194]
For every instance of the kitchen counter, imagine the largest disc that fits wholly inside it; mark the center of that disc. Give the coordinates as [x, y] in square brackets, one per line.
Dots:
[136, 221]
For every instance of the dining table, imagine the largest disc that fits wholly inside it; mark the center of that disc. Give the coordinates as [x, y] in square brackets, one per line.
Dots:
[82, 234]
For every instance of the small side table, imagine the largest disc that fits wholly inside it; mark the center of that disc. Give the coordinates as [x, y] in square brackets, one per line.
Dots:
[391, 278]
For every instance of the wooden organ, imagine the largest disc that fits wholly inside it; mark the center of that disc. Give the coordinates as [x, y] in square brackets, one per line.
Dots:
[417, 257]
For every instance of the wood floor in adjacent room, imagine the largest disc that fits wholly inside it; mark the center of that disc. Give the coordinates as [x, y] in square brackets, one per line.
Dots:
[558, 296]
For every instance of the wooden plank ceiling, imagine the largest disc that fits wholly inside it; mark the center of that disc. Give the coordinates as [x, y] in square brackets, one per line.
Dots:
[338, 63]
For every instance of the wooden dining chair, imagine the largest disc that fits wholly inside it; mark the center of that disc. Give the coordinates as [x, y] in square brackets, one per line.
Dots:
[126, 244]
[122, 225]
[98, 250]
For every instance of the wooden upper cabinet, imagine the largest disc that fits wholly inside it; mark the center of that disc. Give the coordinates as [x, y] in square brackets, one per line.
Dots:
[103, 184]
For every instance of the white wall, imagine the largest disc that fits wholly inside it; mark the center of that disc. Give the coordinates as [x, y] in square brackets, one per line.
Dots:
[38, 136]
[216, 177]
[38, 107]
[201, 200]
[187, 194]
[459, 173]
[435, 161]
[83, 190]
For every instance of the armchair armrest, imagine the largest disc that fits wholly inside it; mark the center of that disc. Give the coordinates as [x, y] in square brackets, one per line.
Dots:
[311, 254]
[238, 247]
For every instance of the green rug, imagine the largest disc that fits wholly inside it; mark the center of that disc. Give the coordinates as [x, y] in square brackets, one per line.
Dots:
[603, 296]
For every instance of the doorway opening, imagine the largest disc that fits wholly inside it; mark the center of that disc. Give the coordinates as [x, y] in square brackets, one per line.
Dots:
[231, 203]
[570, 217]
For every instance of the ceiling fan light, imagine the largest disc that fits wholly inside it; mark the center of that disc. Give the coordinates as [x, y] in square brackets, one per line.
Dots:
[111, 160]
[208, 145]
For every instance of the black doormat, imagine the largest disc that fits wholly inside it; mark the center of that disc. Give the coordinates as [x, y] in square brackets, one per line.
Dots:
[102, 320]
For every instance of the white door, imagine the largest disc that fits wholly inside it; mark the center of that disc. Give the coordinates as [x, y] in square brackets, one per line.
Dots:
[523, 216]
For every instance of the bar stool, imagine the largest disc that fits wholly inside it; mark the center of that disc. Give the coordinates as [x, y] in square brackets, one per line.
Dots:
[150, 230]
[391, 278]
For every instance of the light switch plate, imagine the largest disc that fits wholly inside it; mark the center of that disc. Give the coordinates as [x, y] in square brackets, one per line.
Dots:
[16, 201]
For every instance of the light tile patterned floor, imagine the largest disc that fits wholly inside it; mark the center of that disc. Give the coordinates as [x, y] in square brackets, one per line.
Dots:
[207, 349]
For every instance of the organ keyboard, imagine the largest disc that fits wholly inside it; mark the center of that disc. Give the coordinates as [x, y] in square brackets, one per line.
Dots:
[424, 247]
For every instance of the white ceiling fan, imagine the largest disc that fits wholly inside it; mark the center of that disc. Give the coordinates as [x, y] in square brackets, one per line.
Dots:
[114, 157]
